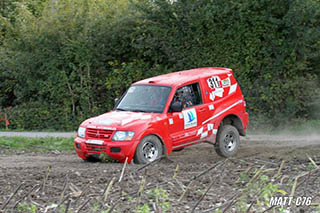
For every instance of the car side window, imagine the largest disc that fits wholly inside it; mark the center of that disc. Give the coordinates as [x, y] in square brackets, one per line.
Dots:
[189, 95]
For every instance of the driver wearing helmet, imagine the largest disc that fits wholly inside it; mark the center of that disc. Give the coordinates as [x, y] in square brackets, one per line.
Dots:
[183, 97]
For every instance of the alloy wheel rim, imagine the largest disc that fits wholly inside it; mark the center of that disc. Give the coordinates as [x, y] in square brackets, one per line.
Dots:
[150, 151]
[230, 142]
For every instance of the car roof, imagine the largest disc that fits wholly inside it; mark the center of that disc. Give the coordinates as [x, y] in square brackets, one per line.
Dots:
[180, 77]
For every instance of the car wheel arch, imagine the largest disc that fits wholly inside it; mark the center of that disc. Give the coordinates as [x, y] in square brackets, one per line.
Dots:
[154, 146]
[233, 120]
[164, 145]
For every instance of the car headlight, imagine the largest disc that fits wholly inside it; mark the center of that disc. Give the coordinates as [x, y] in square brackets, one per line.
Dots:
[82, 132]
[123, 136]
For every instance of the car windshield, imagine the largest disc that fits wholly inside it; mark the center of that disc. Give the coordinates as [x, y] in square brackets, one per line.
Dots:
[144, 98]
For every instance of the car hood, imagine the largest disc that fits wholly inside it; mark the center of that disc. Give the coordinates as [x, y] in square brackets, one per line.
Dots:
[116, 119]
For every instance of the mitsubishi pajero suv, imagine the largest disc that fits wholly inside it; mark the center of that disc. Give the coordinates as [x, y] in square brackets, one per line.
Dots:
[169, 112]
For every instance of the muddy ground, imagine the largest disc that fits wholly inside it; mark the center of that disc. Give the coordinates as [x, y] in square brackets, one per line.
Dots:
[194, 179]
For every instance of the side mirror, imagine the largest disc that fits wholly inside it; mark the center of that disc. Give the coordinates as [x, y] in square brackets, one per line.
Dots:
[176, 107]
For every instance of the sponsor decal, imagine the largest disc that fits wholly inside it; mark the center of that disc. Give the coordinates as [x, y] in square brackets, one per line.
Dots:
[146, 117]
[200, 131]
[134, 117]
[233, 88]
[190, 118]
[218, 92]
[210, 127]
[101, 127]
[170, 121]
[125, 121]
[203, 135]
[107, 128]
[226, 82]
[105, 122]
[212, 96]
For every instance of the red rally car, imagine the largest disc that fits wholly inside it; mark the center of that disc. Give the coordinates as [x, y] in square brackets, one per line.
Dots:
[169, 112]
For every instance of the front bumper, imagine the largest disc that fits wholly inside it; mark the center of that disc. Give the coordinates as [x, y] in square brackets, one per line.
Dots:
[118, 150]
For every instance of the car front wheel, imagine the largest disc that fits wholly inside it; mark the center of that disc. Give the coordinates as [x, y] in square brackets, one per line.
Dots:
[148, 150]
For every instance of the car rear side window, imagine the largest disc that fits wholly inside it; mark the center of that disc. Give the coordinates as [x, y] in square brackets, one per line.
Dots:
[189, 95]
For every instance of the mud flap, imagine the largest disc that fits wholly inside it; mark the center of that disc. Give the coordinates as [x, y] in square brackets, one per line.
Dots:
[211, 139]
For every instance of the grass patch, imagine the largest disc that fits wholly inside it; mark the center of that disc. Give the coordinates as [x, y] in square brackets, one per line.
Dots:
[3, 129]
[44, 144]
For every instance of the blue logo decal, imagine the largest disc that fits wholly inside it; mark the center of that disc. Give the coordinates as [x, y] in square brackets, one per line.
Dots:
[191, 117]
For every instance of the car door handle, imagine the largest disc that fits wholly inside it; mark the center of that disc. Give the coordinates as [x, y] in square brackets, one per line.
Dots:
[202, 109]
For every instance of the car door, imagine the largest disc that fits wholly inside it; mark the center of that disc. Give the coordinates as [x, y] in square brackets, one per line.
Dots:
[184, 126]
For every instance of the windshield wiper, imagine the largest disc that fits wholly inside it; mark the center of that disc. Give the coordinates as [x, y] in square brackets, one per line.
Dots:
[120, 109]
[138, 110]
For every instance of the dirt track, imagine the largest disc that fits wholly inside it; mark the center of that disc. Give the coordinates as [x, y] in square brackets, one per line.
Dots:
[264, 146]
[69, 172]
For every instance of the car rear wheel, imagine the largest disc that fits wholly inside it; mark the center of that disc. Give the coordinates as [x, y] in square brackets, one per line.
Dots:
[148, 150]
[228, 141]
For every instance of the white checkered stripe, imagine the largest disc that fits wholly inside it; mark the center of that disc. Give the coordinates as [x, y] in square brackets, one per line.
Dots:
[206, 131]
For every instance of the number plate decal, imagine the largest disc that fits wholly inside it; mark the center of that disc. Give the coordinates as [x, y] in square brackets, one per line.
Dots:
[97, 142]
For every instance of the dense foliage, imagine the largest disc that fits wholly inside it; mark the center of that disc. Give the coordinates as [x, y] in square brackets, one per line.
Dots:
[64, 61]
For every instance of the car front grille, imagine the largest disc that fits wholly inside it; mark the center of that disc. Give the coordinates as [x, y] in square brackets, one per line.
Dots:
[99, 133]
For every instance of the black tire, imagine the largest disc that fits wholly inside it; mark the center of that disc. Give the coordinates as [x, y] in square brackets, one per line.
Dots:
[92, 159]
[228, 141]
[148, 150]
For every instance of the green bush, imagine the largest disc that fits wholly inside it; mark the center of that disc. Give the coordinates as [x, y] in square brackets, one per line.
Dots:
[271, 47]
[64, 61]
[52, 68]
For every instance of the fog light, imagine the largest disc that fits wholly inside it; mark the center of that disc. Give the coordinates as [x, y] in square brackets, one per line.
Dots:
[115, 149]
[78, 146]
